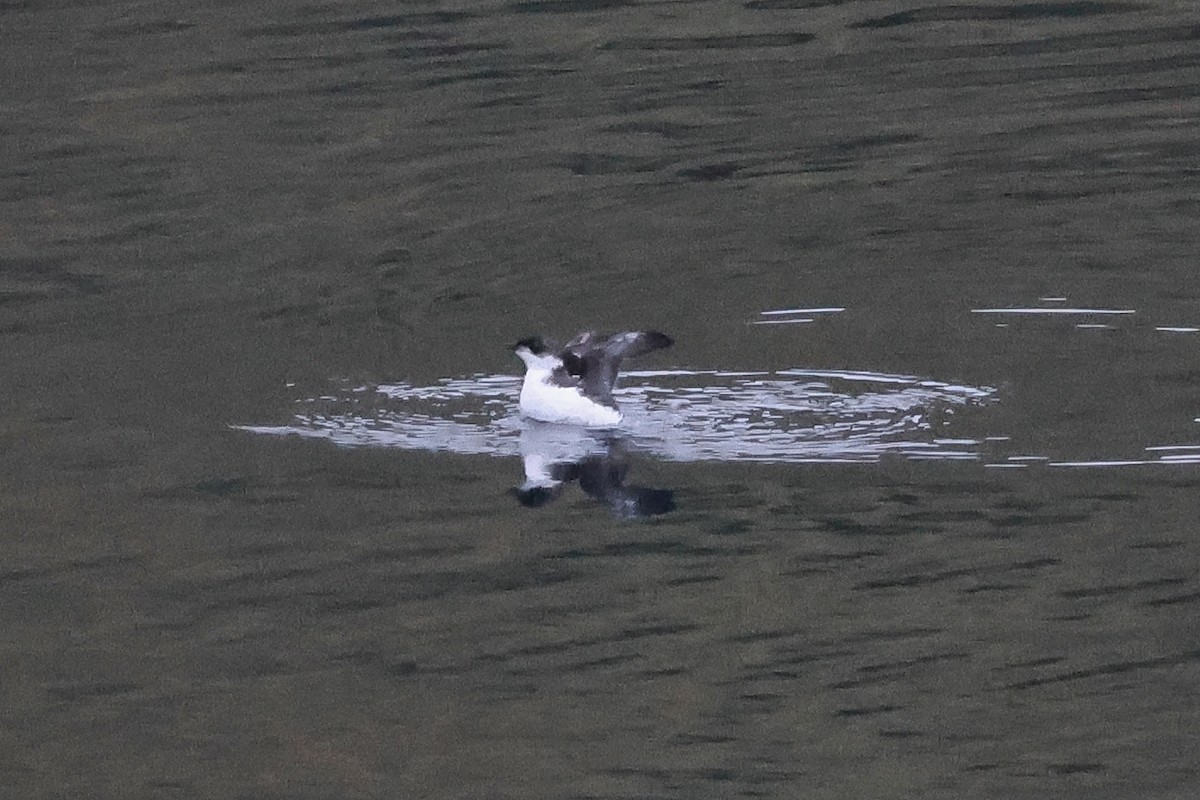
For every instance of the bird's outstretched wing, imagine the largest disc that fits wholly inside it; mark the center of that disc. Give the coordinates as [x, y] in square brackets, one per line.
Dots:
[595, 359]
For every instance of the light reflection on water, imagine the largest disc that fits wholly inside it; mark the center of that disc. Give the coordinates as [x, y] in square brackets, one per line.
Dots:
[789, 416]
[1059, 311]
[1100, 312]
[795, 415]
[794, 316]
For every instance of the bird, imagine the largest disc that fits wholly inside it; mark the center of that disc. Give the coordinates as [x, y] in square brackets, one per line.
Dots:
[573, 385]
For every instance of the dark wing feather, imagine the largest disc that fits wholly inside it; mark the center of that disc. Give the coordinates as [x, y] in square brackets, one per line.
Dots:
[595, 360]
[561, 376]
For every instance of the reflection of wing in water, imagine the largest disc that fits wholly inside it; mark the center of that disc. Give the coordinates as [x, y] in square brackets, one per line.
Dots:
[603, 477]
[557, 455]
[796, 416]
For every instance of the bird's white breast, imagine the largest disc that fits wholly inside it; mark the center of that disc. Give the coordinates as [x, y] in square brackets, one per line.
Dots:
[544, 401]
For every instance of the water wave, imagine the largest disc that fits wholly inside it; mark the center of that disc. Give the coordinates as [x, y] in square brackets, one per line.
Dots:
[791, 415]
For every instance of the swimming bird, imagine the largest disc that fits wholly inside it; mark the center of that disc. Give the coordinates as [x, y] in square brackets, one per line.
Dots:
[574, 384]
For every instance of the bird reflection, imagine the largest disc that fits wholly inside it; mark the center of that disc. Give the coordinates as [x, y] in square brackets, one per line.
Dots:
[556, 456]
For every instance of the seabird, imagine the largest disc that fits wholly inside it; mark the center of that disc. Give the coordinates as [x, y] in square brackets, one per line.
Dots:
[574, 384]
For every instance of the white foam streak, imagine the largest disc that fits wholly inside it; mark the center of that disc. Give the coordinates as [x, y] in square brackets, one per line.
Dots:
[1128, 463]
[1096, 311]
[784, 311]
[676, 373]
[847, 375]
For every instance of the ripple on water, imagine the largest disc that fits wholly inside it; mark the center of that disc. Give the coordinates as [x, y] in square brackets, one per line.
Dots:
[678, 415]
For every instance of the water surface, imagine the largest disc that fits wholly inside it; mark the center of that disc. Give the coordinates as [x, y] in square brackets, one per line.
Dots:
[975, 221]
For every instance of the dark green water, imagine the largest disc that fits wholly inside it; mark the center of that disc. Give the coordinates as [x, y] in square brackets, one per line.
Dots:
[208, 214]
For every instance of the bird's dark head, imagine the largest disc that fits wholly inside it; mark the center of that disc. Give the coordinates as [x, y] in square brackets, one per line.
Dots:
[533, 344]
